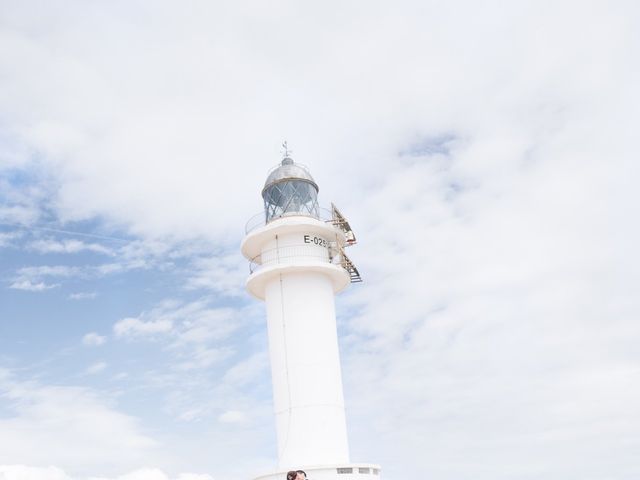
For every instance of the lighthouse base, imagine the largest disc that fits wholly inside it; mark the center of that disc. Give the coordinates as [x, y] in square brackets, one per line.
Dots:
[347, 471]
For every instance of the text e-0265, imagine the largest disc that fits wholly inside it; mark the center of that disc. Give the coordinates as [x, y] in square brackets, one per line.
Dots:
[316, 240]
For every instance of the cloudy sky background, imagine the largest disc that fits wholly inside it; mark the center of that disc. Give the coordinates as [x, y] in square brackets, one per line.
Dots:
[484, 152]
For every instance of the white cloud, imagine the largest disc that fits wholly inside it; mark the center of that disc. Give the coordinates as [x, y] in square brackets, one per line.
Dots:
[35, 274]
[202, 324]
[65, 425]
[50, 245]
[23, 472]
[193, 332]
[200, 356]
[219, 273]
[233, 416]
[20, 206]
[248, 370]
[30, 286]
[474, 318]
[194, 476]
[93, 339]
[31, 278]
[132, 327]
[83, 296]
[96, 368]
[142, 474]
[49, 271]
[484, 153]
[7, 238]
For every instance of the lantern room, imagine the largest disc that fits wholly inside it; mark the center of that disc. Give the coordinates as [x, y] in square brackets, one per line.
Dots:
[290, 190]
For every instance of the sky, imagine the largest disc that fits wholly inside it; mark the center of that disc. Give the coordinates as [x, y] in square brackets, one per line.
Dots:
[485, 154]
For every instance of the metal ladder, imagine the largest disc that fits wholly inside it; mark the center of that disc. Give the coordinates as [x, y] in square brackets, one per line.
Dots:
[348, 265]
[341, 222]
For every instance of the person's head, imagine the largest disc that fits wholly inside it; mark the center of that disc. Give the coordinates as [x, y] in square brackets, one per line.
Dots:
[296, 475]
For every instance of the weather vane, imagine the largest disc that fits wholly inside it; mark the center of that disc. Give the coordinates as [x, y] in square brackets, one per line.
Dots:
[286, 151]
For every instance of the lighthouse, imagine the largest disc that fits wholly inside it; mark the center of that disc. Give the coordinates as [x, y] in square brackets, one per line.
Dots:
[296, 251]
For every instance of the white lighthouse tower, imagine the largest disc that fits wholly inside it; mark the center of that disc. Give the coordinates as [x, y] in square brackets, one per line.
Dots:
[297, 265]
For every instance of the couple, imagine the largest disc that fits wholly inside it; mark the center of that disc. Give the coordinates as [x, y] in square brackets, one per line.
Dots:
[296, 475]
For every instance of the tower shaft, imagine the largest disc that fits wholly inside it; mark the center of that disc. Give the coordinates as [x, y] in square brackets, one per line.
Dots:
[305, 370]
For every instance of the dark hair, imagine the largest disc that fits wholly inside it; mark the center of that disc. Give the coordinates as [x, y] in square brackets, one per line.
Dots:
[292, 475]
[302, 472]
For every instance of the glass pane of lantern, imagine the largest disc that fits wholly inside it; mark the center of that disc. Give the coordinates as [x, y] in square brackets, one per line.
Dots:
[290, 197]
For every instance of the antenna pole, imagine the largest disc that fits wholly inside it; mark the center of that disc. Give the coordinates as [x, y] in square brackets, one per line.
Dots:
[286, 152]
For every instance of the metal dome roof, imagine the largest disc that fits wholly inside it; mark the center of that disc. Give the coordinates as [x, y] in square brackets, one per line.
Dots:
[289, 170]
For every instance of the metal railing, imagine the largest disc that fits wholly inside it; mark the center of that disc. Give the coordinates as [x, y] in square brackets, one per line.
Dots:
[304, 166]
[292, 254]
[260, 219]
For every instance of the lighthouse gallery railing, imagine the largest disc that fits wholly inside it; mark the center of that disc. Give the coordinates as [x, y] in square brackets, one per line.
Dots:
[293, 254]
[260, 219]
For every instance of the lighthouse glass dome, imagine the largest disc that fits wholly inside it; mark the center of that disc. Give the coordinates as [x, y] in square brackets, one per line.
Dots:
[290, 190]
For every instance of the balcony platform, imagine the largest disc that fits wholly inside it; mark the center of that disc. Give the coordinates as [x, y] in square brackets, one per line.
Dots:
[347, 471]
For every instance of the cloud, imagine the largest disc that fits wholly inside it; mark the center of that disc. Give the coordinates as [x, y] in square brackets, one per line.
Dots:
[96, 368]
[127, 260]
[206, 371]
[202, 324]
[50, 245]
[65, 425]
[248, 370]
[30, 278]
[7, 238]
[82, 296]
[156, 474]
[29, 286]
[23, 472]
[20, 204]
[93, 339]
[232, 416]
[200, 356]
[473, 314]
[185, 323]
[224, 273]
[49, 271]
[193, 332]
[484, 153]
[132, 327]
[194, 476]
[141, 474]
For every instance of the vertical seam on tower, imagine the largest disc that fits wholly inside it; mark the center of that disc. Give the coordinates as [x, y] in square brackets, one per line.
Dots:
[286, 361]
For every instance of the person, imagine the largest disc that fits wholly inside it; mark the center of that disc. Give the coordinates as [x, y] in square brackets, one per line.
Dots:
[296, 475]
